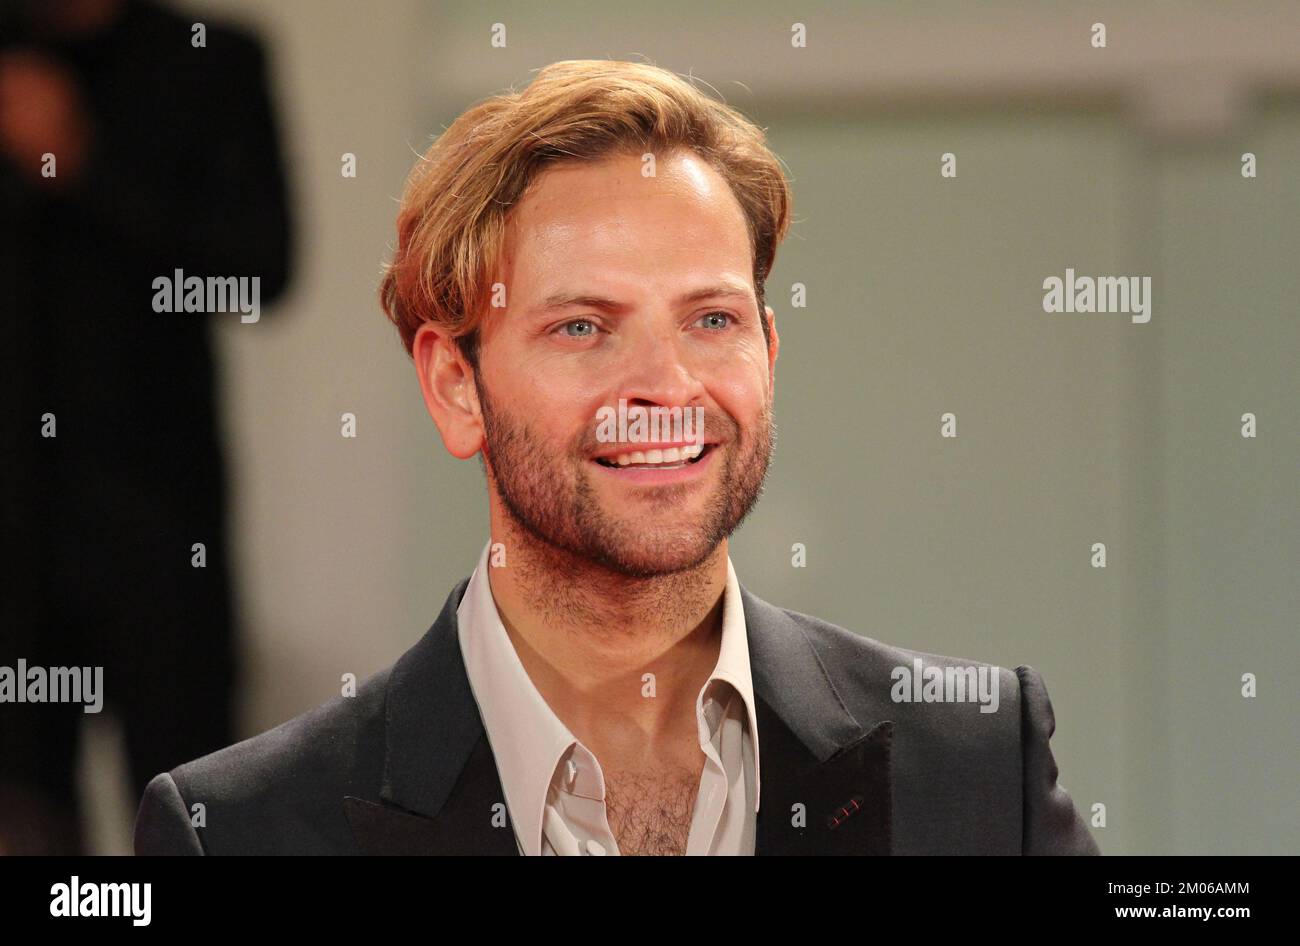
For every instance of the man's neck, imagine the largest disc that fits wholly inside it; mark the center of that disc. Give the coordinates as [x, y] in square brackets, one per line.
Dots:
[588, 637]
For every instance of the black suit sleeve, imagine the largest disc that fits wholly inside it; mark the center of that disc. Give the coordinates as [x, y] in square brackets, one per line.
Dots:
[1052, 825]
[162, 825]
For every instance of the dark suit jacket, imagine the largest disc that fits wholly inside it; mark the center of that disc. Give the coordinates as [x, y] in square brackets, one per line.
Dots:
[404, 766]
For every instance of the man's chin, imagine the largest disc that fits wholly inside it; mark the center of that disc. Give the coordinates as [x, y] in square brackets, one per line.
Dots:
[655, 553]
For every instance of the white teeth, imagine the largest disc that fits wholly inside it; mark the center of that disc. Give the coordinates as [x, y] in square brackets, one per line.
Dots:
[673, 456]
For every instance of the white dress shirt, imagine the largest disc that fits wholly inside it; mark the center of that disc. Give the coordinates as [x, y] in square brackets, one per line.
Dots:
[554, 786]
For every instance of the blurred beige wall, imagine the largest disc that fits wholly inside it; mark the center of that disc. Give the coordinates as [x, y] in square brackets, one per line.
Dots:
[924, 297]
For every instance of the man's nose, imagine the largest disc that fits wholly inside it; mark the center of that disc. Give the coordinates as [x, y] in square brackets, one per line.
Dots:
[657, 372]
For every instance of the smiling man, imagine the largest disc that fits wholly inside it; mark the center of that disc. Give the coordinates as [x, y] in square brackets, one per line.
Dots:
[602, 683]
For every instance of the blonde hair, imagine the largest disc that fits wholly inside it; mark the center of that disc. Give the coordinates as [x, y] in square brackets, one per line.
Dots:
[453, 212]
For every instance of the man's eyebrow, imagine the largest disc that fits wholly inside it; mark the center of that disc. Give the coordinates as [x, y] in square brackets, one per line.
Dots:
[565, 298]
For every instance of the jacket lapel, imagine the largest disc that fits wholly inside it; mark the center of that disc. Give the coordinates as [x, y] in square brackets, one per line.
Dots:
[441, 793]
[825, 782]
[464, 825]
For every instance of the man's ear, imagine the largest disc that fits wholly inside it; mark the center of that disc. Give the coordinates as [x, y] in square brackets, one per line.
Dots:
[447, 382]
[772, 351]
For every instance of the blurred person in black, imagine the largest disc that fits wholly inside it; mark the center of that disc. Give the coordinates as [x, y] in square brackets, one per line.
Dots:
[167, 158]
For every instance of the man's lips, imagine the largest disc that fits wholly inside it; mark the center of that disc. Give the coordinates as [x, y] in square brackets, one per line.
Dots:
[661, 455]
[661, 472]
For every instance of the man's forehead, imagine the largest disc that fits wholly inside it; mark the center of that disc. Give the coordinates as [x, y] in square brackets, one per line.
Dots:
[726, 286]
[625, 231]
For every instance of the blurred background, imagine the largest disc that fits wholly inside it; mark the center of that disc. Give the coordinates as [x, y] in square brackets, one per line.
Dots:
[924, 296]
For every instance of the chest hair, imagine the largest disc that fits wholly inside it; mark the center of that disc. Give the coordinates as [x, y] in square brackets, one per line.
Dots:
[650, 813]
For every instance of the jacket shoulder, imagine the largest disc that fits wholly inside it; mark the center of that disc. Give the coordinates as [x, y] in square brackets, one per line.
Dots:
[973, 745]
[282, 790]
[955, 764]
[876, 680]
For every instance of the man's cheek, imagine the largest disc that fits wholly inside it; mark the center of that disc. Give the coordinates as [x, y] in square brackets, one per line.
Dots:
[740, 396]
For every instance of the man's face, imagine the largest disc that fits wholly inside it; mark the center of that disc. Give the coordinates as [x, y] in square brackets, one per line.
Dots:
[667, 318]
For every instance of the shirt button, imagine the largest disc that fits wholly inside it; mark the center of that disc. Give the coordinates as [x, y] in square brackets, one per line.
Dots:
[570, 773]
[595, 848]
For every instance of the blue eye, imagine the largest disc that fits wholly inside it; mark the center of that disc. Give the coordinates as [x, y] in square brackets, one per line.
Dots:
[721, 319]
[568, 326]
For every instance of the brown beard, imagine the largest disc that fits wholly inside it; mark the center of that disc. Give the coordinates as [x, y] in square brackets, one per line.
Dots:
[550, 496]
